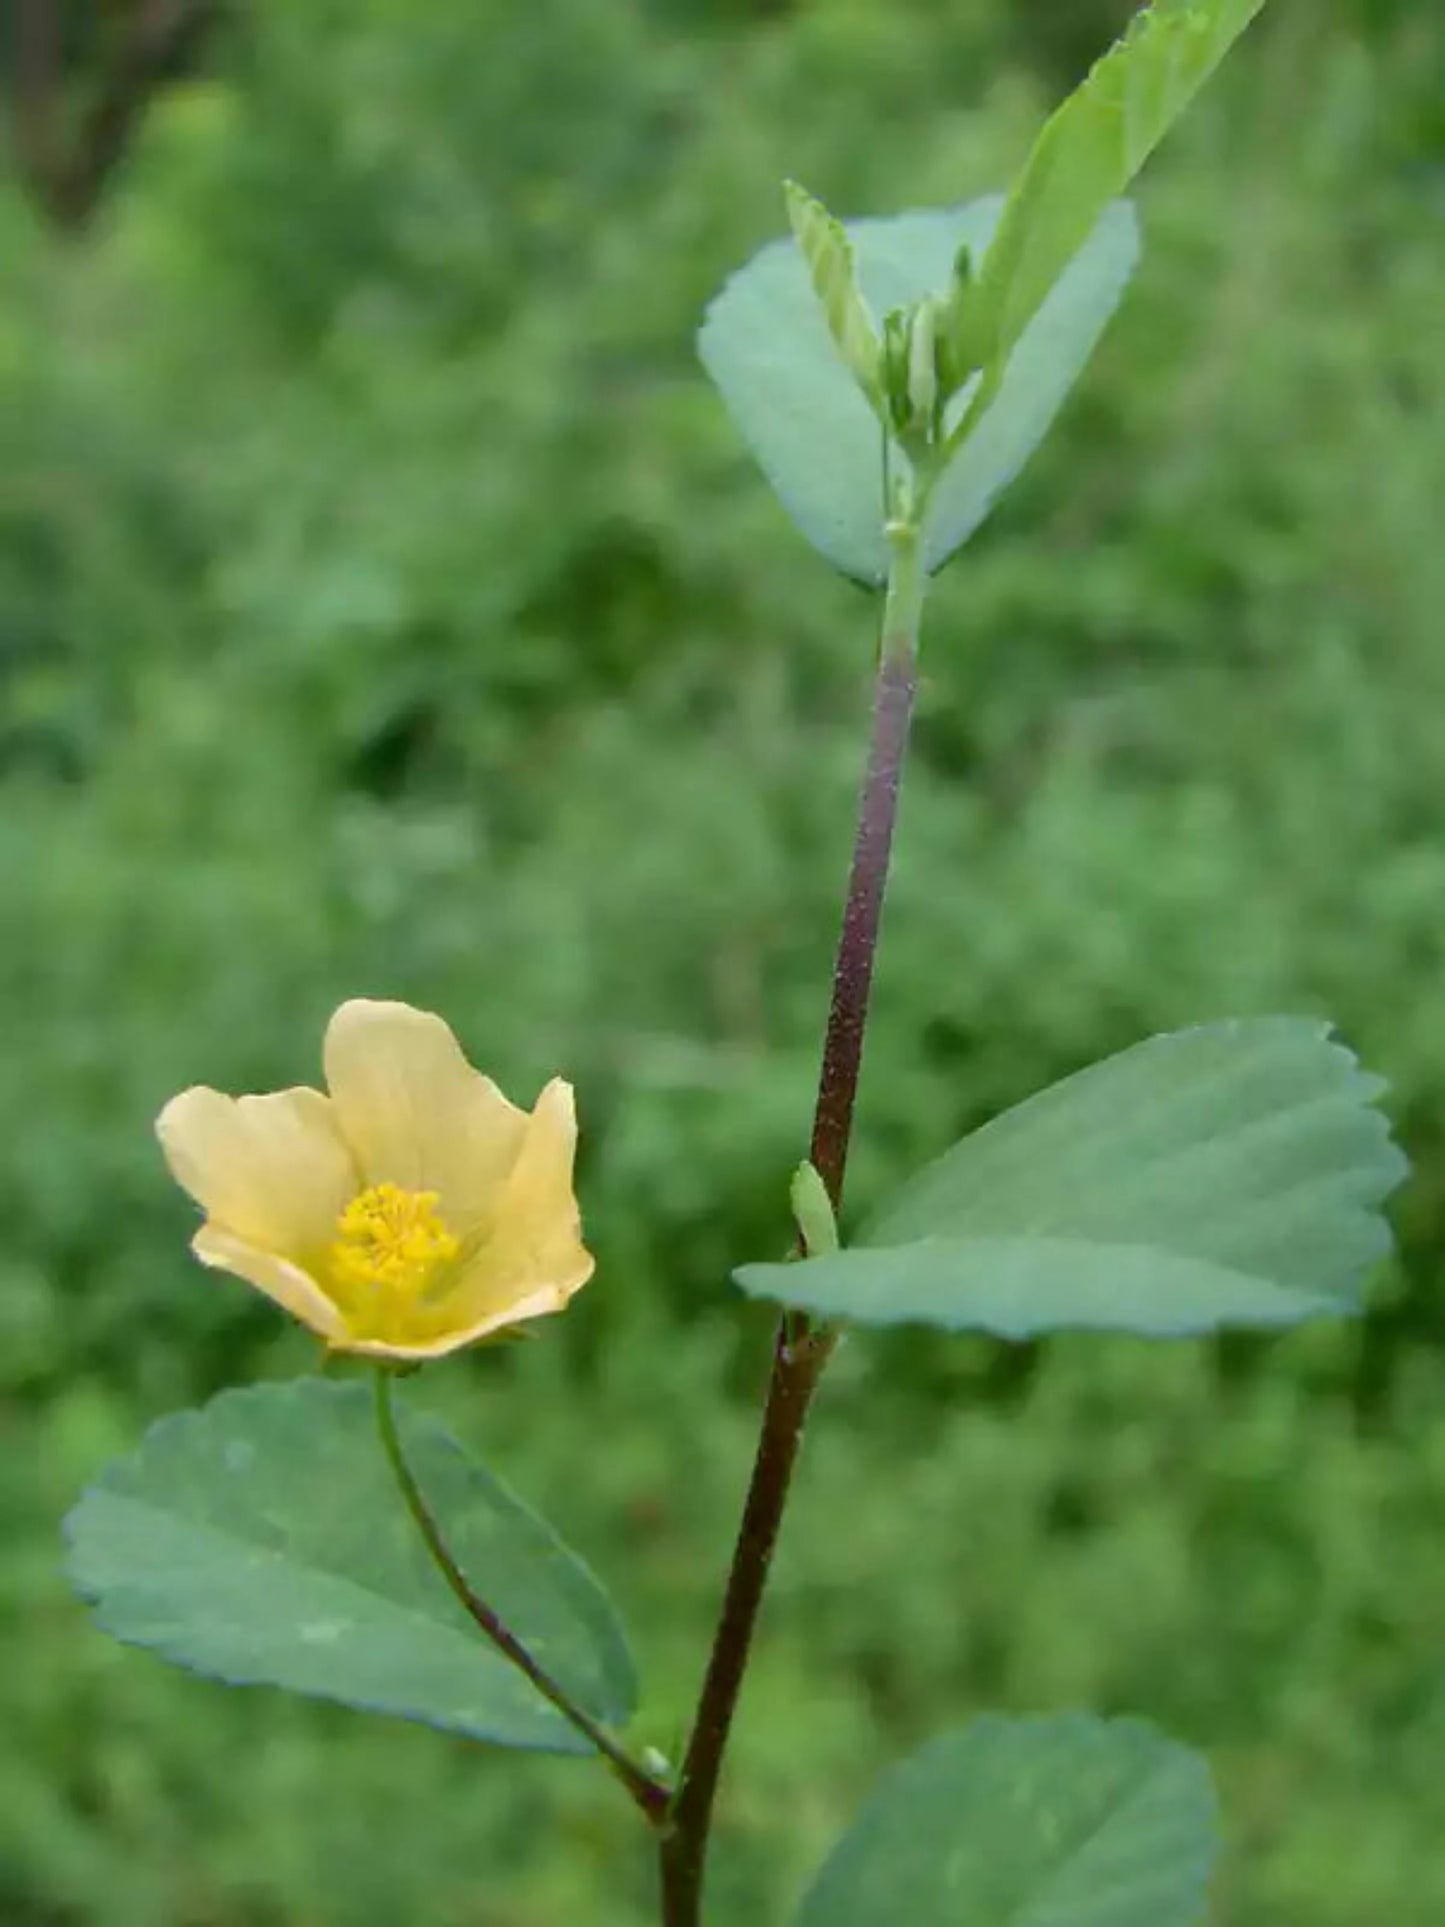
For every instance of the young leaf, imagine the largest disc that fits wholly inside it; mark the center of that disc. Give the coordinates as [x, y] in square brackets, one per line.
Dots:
[954, 366]
[829, 256]
[1229, 1175]
[1088, 153]
[1044, 1822]
[262, 1542]
[767, 347]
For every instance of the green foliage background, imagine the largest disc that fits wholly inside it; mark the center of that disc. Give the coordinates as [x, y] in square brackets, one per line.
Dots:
[386, 607]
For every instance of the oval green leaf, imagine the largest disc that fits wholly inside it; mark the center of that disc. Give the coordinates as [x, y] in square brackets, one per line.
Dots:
[1057, 1822]
[261, 1541]
[1228, 1175]
[767, 346]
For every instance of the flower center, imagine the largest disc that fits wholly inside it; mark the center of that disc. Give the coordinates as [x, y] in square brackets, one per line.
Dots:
[391, 1241]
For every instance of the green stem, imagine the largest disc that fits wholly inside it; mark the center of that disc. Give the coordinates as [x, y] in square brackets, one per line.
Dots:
[802, 1348]
[650, 1793]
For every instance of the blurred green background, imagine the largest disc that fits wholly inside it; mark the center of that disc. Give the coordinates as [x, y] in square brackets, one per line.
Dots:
[386, 607]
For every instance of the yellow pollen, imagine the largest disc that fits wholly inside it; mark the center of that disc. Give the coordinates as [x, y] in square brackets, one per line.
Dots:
[391, 1239]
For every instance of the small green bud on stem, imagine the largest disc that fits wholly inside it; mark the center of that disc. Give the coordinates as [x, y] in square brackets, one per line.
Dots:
[813, 1212]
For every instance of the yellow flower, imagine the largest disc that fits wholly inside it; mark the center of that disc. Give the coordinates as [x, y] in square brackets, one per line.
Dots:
[412, 1211]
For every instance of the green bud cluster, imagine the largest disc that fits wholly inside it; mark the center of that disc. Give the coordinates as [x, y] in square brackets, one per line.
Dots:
[926, 360]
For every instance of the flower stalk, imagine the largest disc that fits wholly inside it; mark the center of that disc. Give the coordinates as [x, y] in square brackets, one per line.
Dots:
[650, 1793]
[802, 1347]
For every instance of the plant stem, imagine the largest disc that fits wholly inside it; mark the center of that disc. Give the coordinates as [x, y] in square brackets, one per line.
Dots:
[802, 1349]
[862, 911]
[650, 1793]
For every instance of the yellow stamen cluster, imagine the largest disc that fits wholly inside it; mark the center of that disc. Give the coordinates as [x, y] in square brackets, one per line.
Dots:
[391, 1240]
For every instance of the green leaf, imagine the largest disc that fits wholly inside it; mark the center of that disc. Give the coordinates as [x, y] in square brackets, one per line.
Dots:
[1088, 153]
[829, 256]
[767, 347]
[1043, 368]
[1062, 1822]
[1229, 1175]
[261, 1541]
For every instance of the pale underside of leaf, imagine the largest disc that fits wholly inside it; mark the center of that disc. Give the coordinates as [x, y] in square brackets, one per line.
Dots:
[1018, 1288]
[768, 348]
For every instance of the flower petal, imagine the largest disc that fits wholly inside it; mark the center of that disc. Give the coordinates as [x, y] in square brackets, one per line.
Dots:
[551, 1298]
[271, 1170]
[532, 1259]
[414, 1111]
[291, 1288]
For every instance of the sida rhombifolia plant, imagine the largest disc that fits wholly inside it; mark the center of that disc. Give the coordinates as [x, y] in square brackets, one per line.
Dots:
[891, 376]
